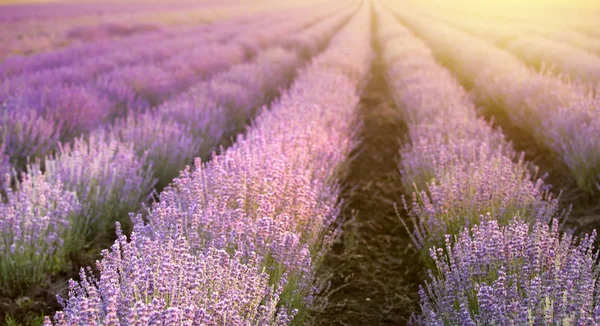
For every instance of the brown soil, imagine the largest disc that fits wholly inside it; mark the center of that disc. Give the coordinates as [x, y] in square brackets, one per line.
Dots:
[374, 269]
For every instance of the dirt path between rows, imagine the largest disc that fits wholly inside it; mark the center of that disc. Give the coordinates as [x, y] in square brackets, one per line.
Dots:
[374, 269]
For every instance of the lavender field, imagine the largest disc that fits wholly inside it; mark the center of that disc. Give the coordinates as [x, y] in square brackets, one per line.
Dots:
[316, 162]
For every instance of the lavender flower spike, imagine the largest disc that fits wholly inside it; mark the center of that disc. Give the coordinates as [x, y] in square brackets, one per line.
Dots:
[513, 275]
[33, 224]
[158, 281]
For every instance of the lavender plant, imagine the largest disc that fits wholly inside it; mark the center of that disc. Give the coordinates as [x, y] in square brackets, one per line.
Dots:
[78, 108]
[34, 222]
[516, 274]
[168, 145]
[109, 178]
[26, 134]
[463, 190]
[152, 280]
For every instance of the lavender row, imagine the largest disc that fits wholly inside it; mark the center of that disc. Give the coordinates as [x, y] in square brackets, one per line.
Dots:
[31, 37]
[14, 13]
[538, 49]
[516, 274]
[503, 31]
[71, 106]
[456, 165]
[112, 172]
[484, 223]
[34, 37]
[194, 123]
[560, 115]
[542, 53]
[258, 212]
[138, 45]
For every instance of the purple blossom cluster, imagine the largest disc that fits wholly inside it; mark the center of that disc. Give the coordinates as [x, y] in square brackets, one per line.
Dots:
[558, 114]
[255, 219]
[456, 165]
[516, 274]
[108, 177]
[26, 133]
[150, 280]
[33, 225]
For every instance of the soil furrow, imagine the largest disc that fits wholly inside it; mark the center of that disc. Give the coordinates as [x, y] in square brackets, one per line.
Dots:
[374, 269]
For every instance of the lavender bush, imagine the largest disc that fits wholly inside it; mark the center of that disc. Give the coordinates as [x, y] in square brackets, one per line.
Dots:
[460, 194]
[151, 280]
[78, 108]
[34, 221]
[512, 275]
[168, 145]
[26, 134]
[109, 178]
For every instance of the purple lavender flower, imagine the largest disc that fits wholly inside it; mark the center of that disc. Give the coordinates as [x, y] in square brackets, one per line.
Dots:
[78, 108]
[26, 134]
[150, 280]
[109, 178]
[167, 144]
[34, 221]
[512, 275]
